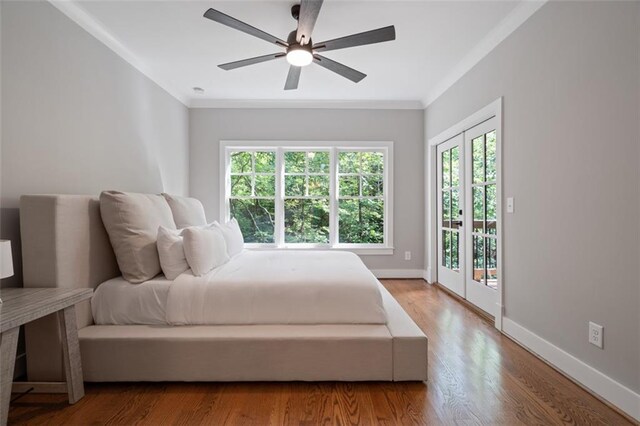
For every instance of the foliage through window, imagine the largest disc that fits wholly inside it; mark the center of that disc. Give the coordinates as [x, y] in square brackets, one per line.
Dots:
[361, 199]
[450, 187]
[252, 194]
[325, 196]
[485, 243]
[306, 197]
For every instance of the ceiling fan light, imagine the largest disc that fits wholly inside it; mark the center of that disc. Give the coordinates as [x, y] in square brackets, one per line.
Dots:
[299, 57]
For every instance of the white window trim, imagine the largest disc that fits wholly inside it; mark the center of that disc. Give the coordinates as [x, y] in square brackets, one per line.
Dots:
[335, 146]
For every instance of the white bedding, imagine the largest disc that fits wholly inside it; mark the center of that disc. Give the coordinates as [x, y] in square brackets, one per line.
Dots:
[118, 302]
[279, 287]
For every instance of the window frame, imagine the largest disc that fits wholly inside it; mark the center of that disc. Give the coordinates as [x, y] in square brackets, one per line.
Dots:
[385, 147]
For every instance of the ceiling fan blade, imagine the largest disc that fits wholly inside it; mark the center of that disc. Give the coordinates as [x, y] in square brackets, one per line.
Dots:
[309, 10]
[293, 78]
[360, 39]
[338, 68]
[243, 63]
[229, 21]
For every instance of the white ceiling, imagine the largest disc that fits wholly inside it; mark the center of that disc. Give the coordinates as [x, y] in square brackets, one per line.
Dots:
[180, 49]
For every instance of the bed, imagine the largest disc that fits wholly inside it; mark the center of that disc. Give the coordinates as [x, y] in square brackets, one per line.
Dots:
[64, 244]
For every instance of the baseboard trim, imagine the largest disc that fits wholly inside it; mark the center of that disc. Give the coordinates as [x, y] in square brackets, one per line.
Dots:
[593, 380]
[429, 275]
[398, 273]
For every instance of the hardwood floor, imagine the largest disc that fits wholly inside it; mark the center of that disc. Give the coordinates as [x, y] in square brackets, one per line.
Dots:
[476, 376]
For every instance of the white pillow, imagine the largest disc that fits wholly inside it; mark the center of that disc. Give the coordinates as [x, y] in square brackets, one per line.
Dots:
[232, 236]
[204, 248]
[186, 211]
[171, 251]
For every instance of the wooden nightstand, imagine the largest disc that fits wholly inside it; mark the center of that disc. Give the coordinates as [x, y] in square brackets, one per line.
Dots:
[22, 305]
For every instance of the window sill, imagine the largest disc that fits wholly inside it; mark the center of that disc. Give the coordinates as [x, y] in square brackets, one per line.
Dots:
[365, 251]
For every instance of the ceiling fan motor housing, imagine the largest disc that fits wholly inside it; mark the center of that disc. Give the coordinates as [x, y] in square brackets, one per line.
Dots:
[298, 54]
[293, 42]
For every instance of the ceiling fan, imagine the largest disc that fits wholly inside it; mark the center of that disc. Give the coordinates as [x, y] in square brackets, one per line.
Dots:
[299, 49]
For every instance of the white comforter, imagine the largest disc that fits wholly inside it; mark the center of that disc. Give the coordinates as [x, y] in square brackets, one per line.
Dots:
[279, 287]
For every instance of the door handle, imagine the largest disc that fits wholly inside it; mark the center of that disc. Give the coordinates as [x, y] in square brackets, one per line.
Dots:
[457, 222]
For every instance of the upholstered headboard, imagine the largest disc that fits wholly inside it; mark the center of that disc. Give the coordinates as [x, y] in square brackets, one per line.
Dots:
[64, 244]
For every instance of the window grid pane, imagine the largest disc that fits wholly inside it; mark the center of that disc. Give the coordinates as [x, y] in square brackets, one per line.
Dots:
[478, 209]
[265, 162]
[478, 259]
[241, 162]
[491, 257]
[256, 219]
[446, 209]
[455, 207]
[306, 220]
[477, 149]
[455, 166]
[446, 169]
[490, 156]
[361, 221]
[447, 249]
[490, 209]
[455, 250]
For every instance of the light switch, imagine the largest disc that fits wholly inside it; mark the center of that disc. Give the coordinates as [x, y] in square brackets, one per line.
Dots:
[510, 205]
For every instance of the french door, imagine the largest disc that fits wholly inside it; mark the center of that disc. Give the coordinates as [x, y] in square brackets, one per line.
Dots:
[468, 236]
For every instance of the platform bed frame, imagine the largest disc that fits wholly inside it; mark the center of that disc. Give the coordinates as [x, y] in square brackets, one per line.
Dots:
[64, 244]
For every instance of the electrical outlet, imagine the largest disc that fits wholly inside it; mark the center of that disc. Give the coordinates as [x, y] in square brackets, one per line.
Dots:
[407, 255]
[596, 334]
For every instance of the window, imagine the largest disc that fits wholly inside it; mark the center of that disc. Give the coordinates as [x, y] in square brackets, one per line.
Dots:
[361, 197]
[252, 194]
[306, 197]
[320, 196]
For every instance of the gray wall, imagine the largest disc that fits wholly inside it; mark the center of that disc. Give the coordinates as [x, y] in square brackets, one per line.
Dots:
[570, 78]
[78, 119]
[404, 127]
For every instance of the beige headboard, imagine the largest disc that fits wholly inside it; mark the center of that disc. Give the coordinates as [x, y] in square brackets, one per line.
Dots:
[64, 244]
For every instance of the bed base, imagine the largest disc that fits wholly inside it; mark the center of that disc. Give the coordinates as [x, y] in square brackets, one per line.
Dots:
[393, 352]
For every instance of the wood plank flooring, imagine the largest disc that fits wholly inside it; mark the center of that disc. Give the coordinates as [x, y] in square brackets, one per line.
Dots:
[476, 376]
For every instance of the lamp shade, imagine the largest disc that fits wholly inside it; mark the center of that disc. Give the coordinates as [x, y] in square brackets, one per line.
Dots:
[6, 263]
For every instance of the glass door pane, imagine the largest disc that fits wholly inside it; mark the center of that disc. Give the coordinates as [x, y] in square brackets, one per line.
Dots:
[450, 208]
[483, 160]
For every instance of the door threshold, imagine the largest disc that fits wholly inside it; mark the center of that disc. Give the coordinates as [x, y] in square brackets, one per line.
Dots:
[484, 315]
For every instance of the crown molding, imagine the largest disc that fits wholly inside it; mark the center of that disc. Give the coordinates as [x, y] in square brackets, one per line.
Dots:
[310, 104]
[518, 16]
[78, 15]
